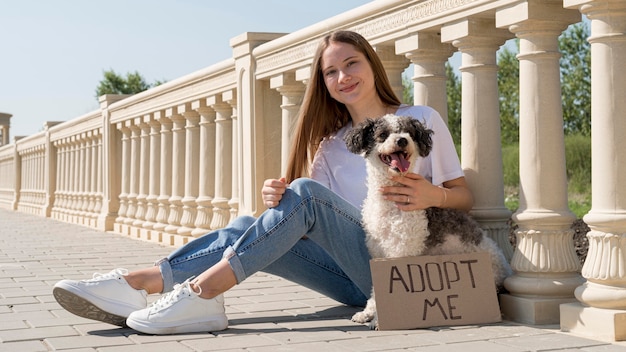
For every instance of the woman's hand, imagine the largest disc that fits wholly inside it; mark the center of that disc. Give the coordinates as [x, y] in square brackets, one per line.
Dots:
[417, 193]
[273, 191]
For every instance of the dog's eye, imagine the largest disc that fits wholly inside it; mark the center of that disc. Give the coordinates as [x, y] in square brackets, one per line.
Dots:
[382, 136]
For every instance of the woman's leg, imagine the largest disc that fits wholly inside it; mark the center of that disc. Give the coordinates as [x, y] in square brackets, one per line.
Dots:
[307, 208]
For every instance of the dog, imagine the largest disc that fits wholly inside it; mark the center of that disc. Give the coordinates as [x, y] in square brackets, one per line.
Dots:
[391, 145]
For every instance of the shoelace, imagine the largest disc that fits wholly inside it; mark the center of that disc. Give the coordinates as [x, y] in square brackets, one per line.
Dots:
[110, 275]
[183, 289]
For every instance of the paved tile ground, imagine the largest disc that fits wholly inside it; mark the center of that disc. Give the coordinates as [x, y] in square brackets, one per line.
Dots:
[266, 313]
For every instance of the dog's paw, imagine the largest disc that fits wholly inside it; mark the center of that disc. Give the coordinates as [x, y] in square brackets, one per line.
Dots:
[374, 324]
[361, 317]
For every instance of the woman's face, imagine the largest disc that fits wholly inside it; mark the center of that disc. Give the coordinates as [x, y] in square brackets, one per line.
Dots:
[348, 74]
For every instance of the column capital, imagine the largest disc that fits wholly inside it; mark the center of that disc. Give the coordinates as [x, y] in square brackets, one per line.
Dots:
[474, 32]
[536, 15]
[424, 44]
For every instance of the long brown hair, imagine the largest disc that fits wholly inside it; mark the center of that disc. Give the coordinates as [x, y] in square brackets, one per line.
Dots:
[320, 115]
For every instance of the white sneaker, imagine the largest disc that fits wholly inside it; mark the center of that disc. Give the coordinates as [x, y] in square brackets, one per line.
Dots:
[180, 311]
[105, 297]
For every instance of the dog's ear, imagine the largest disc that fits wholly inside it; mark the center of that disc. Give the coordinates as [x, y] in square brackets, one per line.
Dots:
[360, 139]
[422, 137]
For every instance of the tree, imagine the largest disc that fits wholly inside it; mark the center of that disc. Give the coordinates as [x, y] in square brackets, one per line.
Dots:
[508, 86]
[453, 88]
[576, 79]
[114, 83]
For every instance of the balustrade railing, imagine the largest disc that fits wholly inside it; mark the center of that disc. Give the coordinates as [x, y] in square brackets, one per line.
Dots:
[174, 162]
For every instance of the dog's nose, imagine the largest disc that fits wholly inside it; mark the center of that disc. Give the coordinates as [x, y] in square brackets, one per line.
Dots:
[402, 142]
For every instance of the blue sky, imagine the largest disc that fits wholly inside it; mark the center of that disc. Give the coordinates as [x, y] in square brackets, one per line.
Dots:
[53, 53]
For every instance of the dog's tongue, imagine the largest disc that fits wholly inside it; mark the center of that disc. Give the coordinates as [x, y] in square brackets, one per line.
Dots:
[399, 162]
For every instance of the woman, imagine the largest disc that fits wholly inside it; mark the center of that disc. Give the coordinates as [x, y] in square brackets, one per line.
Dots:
[311, 232]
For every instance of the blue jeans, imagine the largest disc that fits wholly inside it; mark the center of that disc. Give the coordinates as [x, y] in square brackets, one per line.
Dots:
[332, 259]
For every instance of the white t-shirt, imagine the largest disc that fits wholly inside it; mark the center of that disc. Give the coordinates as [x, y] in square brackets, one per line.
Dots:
[344, 172]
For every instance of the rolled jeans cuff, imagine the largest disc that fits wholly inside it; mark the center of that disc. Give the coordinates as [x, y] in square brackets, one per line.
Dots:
[235, 263]
[166, 274]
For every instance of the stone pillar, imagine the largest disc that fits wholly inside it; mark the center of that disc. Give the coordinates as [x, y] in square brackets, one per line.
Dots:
[90, 165]
[428, 56]
[292, 93]
[206, 184]
[178, 171]
[153, 179]
[110, 179]
[5, 128]
[601, 310]
[478, 40]
[223, 167]
[394, 67]
[545, 262]
[192, 154]
[165, 175]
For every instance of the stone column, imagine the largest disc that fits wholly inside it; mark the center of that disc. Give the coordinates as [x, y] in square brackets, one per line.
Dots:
[178, 171]
[91, 165]
[230, 97]
[545, 262]
[81, 204]
[601, 310]
[165, 175]
[86, 166]
[428, 56]
[394, 67]
[125, 177]
[223, 167]
[206, 184]
[153, 178]
[192, 154]
[133, 181]
[478, 40]
[144, 173]
[98, 188]
[292, 93]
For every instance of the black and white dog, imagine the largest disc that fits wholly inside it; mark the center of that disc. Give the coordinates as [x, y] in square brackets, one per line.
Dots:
[391, 145]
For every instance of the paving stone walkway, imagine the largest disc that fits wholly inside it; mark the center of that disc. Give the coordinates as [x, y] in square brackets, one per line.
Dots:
[266, 313]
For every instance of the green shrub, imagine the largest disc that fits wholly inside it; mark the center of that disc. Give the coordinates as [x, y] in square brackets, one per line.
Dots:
[578, 169]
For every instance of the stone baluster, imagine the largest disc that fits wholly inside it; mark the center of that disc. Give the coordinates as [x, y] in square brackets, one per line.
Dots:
[223, 168]
[74, 166]
[601, 310]
[97, 187]
[165, 175]
[394, 67]
[478, 40]
[178, 171]
[153, 179]
[292, 92]
[125, 176]
[428, 56]
[83, 202]
[90, 165]
[192, 155]
[133, 181]
[64, 176]
[144, 172]
[233, 203]
[58, 180]
[206, 185]
[545, 262]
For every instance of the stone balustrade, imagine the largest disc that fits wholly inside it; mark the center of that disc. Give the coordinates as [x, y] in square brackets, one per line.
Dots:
[174, 162]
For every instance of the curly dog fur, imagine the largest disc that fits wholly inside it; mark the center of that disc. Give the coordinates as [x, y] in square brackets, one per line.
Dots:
[391, 145]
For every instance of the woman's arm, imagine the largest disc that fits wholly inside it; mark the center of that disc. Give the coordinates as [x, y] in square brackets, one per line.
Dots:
[416, 193]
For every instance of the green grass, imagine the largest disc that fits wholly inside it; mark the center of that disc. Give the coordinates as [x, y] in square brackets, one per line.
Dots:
[578, 168]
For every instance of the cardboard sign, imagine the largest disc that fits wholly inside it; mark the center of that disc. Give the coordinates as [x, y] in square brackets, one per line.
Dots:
[443, 290]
